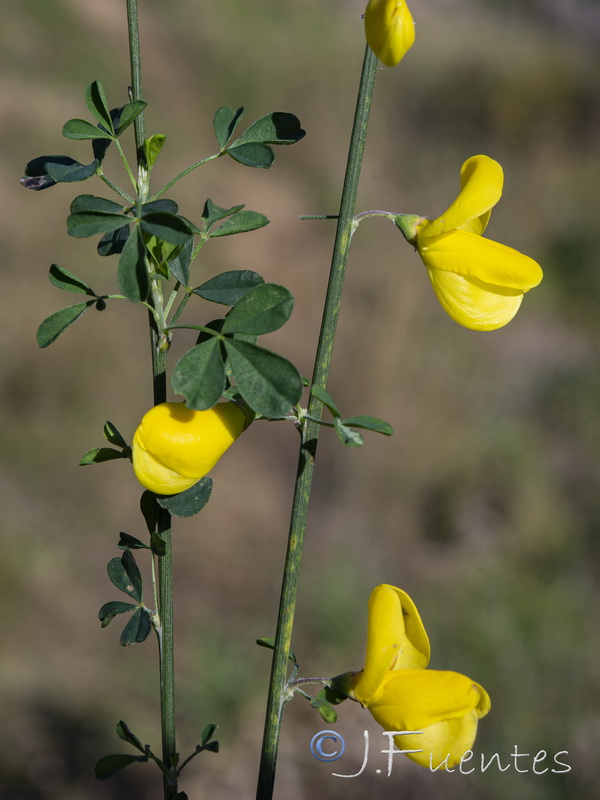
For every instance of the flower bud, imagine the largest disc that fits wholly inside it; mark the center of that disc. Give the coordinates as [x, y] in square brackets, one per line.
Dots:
[389, 29]
[174, 446]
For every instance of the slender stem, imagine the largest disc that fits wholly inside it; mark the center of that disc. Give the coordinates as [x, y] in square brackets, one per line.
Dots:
[182, 174]
[159, 377]
[136, 70]
[310, 433]
[126, 165]
[129, 200]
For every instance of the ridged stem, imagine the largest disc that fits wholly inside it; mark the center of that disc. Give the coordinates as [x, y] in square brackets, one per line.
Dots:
[310, 433]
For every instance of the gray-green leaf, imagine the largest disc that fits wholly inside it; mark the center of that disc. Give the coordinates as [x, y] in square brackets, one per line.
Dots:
[241, 222]
[125, 575]
[137, 629]
[252, 154]
[370, 424]
[269, 383]
[190, 502]
[96, 102]
[347, 436]
[199, 375]
[110, 610]
[81, 129]
[263, 309]
[67, 281]
[229, 287]
[52, 327]
[224, 123]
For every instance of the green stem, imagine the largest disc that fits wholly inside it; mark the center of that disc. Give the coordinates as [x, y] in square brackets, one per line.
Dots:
[287, 605]
[126, 165]
[136, 71]
[129, 200]
[159, 377]
[182, 174]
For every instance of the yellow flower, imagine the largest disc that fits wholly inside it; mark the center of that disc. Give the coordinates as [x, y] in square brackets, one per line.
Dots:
[404, 696]
[389, 29]
[480, 283]
[175, 446]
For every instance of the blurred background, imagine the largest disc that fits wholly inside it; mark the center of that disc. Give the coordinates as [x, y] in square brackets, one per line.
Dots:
[484, 505]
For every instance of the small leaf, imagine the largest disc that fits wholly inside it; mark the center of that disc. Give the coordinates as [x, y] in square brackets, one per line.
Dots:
[199, 375]
[82, 225]
[224, 123]
[97, 104]
[160, 206]
[110, 610]
[80, 129]
[157, 544]
[229, 287]
[370, 424]
[190, 502]
[181, 796]
[325, 398]
[132, 272]
[149, 510]
[65, 280]
[213, 213]
[125, 575]
[137, 629]
[208, 733]
[109, 765]
[127, 542]
[180, 264]
[347, 436]
[276, 128]
[241, 222]
[57, 323]
[71, 173]
[331, 696]
[212, 747]
[99, 455]
[252, 154]
[269, 383]
[113, 242]
[152, 148]
[129, 113]
[328, 713]
[263, 309]
[112, 435]
[100, 148]
[90, 203]
[269, 643]
[125, 734]
[168, 227]
[46, 171]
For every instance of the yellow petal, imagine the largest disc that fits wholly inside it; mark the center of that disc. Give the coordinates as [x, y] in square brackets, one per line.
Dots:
[445, 705]
[175, 446]
[474, 304]
[476, 257]
[442, 744]
[412, 699]
[481, 180]
[389, 29]
[396, 639]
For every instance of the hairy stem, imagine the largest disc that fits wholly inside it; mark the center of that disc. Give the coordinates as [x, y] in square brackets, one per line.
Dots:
[310, 433]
